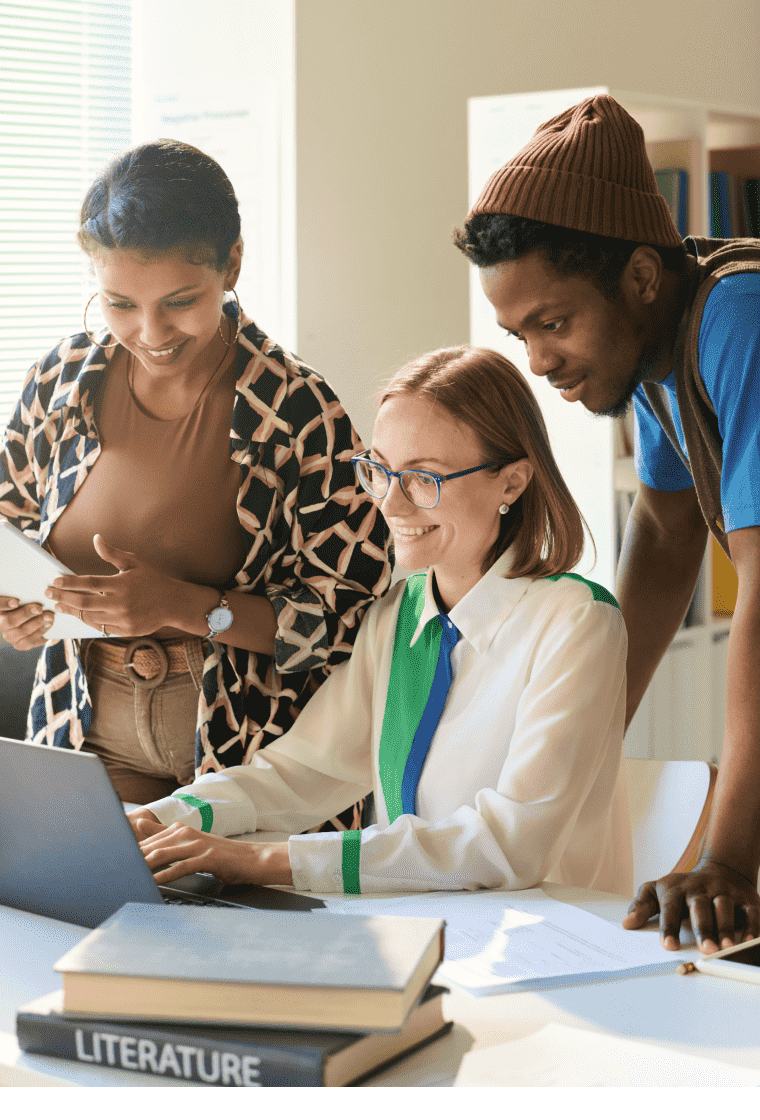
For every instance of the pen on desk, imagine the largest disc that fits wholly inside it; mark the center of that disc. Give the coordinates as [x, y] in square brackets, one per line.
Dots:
[741, 962]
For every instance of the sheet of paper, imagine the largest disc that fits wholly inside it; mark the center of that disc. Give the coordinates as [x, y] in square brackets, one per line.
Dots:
[564, 1056]
[498, 941]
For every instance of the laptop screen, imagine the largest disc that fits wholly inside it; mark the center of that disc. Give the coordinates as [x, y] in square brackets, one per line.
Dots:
[67, 849]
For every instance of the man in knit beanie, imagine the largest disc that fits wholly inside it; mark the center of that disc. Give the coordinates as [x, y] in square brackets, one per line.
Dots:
[580, 259]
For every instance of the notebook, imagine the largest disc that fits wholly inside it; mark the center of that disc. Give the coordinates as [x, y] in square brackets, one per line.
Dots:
[67, 850]
[26, 570]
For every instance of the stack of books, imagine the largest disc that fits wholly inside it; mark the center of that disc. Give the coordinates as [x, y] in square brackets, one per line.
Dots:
[243, 997]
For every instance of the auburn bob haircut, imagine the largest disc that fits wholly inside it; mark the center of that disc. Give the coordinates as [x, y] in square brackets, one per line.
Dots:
[483, 390]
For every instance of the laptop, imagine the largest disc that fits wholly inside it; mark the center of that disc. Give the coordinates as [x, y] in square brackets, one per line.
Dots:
[67, 850]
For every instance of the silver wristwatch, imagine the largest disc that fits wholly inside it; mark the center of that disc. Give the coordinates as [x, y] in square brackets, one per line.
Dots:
[220, 619]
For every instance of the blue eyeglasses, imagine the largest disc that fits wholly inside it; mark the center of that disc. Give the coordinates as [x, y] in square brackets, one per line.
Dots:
[422, 488]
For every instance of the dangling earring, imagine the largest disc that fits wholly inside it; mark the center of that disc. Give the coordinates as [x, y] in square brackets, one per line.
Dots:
[503, 509]
[239, 320]
[106, 345]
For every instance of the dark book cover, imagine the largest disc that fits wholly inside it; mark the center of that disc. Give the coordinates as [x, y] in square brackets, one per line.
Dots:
[204, 1054]
[720, 225]
[751, 190]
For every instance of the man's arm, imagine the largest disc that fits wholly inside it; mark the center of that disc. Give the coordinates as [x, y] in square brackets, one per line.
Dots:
[733, 834]
[660, 559]
[662, 551]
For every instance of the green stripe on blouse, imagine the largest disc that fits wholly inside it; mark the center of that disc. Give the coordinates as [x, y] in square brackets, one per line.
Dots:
[411, 677]
[351, 854]
[600, 593]
[203, 807]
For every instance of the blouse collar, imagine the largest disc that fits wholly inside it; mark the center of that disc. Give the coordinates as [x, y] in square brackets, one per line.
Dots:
[481, 613]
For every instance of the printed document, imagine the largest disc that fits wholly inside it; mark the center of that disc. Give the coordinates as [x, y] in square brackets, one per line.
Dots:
[500, 941]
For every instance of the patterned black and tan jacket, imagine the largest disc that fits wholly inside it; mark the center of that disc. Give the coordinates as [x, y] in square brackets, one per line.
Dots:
[316, 545]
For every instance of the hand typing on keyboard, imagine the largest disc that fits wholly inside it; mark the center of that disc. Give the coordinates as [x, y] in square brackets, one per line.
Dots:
[144, 822]
[180, 850]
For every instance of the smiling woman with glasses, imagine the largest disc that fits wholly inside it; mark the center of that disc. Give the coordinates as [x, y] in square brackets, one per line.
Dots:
[484, 700]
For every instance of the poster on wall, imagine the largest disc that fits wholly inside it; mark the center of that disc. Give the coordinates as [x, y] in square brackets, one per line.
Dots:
[243, 135]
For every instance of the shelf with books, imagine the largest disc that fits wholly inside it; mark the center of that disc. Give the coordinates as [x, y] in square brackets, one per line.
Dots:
[735, 192]
[733, 153]
[683, 707]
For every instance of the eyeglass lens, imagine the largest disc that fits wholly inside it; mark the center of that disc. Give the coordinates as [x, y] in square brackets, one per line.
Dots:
[419, 488]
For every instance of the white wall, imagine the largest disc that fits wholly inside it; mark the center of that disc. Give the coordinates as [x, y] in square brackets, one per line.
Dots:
[221, 76]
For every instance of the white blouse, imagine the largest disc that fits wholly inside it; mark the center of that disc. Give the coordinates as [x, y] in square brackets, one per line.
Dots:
[523, 779]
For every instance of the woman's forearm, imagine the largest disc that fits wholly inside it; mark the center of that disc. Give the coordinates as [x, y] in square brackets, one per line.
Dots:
[254, 623]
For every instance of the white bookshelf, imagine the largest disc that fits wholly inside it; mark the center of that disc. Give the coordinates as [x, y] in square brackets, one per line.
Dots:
[683, 711]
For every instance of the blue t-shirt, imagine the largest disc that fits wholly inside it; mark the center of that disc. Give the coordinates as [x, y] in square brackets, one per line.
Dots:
[729, 362]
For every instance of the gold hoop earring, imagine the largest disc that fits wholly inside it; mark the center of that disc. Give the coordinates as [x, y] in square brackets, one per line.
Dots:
[106, 345]
[239, 321]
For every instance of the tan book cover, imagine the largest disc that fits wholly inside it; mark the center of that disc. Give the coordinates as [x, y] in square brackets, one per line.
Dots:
[247, 966]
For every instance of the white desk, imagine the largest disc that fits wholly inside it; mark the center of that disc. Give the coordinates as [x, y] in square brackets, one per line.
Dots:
[699, 1015]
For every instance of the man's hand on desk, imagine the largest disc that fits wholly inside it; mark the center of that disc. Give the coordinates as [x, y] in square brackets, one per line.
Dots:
[724, 906]
[231, 861]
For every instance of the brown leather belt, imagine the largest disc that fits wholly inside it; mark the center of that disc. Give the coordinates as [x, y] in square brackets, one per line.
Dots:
[145, 661]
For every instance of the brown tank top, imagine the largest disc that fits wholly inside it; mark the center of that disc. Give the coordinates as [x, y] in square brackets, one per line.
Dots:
[163, 489]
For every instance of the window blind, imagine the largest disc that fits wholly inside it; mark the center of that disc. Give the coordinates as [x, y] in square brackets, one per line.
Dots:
[65, 99]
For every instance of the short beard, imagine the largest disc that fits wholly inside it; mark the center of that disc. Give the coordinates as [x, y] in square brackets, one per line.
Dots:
[623, 403]
[644, 370]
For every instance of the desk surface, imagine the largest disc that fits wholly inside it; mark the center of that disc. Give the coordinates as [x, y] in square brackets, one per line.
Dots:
[699, 1015]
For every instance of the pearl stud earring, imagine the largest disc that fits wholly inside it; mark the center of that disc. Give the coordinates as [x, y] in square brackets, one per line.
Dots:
[504, 509]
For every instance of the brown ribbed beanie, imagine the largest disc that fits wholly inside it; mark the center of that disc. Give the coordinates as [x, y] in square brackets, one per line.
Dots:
[585, 169]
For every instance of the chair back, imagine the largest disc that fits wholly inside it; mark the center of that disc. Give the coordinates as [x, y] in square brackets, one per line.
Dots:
[669, 804]
[16, 680]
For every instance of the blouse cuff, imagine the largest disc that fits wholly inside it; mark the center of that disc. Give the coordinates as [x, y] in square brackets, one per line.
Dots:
[214, 803]
[171, 809]
[316, 862]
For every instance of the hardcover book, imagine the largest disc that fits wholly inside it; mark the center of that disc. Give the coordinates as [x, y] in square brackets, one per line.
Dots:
[234, 1056]
[253, 967]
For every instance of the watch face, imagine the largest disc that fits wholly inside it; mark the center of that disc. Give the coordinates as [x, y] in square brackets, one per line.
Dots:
[220, 619]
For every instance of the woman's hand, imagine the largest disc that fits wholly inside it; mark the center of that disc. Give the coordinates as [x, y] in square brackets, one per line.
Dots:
[137, 600]
[144, 823]
[231, 861]
[24, 627]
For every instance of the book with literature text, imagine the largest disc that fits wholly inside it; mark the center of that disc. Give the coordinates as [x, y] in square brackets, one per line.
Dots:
[225, 1056]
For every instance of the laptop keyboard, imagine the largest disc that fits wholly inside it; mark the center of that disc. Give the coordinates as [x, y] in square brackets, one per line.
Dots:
[197, 900]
